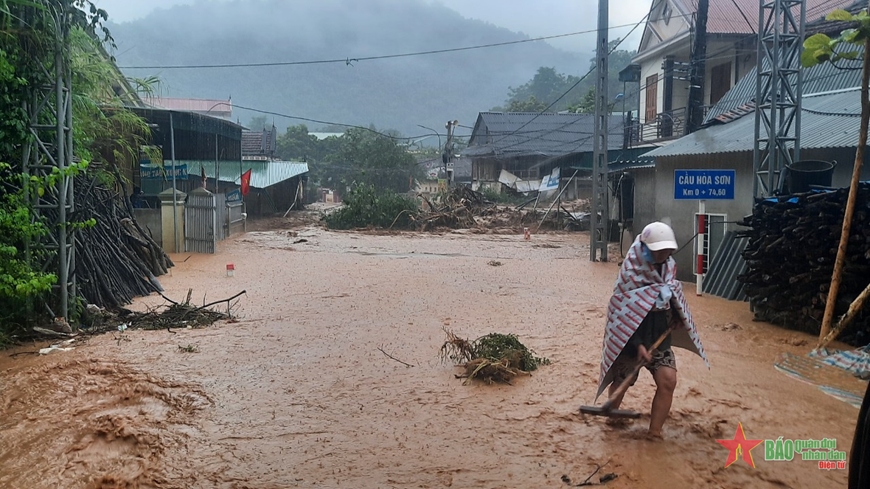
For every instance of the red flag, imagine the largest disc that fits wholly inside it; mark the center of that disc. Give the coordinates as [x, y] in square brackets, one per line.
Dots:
[246, 182]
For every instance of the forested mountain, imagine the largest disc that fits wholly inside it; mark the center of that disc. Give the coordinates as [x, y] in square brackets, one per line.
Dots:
[393, 93]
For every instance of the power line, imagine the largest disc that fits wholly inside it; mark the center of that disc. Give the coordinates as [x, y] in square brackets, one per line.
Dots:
[286, 116]
[350, 61]
[541, 136]
[641, 21]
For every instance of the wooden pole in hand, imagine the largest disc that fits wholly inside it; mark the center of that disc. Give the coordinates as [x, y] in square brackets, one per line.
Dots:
[850, 202]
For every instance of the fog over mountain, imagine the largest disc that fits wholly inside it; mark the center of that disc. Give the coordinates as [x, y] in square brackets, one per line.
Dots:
[392, 93]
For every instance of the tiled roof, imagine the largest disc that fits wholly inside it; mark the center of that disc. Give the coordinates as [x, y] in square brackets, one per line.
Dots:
[531, 133]
[259, 143]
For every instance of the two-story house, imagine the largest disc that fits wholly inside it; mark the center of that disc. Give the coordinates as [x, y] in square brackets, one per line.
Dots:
[664, 59]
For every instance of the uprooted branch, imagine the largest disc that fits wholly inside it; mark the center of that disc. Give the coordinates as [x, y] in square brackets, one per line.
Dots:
[493, 358]
[174, 315]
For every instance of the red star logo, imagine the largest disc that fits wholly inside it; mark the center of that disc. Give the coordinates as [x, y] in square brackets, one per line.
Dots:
[739, 444]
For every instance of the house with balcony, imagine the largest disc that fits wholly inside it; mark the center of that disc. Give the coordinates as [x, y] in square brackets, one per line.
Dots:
[663, 65]
[725, 141]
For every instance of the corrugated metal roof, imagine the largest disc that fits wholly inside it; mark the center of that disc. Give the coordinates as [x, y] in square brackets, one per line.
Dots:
[263, 173]
[818, 79]
[324, 135]
[725, 267]
[827, 121]
[531, 133]
[211, 106]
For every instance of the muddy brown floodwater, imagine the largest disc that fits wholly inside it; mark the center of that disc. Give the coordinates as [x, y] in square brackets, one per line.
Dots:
[301, 393]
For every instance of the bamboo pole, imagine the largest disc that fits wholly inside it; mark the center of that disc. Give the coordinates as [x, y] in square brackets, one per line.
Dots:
[557, 199]
[850, 203]
[854, 308]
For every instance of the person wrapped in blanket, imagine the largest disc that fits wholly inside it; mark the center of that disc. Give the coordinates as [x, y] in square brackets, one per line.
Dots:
[647, 301]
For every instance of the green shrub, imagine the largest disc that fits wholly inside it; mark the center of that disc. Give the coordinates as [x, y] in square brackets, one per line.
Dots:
[19, 281]
[503, 197]
[367, 206]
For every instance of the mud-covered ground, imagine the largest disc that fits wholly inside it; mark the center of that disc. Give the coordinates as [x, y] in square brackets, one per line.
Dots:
[303, 392]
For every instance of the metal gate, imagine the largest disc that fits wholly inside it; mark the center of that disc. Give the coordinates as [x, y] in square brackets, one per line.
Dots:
[236, 218]
[221, 218]
[200, 222]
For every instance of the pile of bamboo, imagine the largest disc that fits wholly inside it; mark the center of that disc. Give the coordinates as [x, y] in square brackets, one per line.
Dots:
[116, 260]
[791, 253]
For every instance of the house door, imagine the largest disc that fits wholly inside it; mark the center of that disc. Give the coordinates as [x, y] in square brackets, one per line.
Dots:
[652, 98]
[720, 82]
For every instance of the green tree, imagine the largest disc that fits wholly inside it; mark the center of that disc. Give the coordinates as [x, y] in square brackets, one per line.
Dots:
[332, 128]
[102, 130]
[366, 157]
[297, 144]
[585, 105]
[258, 123]
[530, 105]
[548, 86]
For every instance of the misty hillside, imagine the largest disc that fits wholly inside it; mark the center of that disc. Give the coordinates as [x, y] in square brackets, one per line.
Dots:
[397, 93]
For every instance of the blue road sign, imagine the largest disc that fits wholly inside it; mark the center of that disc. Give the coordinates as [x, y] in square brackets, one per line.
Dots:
[704, 184]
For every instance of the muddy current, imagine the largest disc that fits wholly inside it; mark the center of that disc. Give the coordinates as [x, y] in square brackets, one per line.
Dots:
[331, 378]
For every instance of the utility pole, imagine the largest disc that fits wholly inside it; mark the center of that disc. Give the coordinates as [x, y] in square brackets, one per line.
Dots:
[600, 219]
[698, 70]
[447, 155]
[778, 102]
[49, 108]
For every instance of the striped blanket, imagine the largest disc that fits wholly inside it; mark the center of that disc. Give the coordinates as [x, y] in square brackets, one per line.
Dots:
[637, 289]
[853, 361]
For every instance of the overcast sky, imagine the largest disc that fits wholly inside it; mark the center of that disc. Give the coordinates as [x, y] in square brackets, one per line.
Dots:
[535, 18]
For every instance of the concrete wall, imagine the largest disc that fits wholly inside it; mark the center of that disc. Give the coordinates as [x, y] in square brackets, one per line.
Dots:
[644, 198]
[681, 213]
[149, 220]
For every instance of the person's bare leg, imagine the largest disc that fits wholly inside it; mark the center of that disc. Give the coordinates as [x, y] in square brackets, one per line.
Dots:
[666, 382]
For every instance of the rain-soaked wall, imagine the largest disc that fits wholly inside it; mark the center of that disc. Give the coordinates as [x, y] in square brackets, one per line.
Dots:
[149, 220]
[682, 212]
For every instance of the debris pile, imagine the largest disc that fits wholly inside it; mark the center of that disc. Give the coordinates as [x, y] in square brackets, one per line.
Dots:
[174, 315]
[790, 256]
[492, 358]
[466, 209]
[457, 209]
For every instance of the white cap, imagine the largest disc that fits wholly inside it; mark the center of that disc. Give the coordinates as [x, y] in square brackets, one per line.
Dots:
[658, 236]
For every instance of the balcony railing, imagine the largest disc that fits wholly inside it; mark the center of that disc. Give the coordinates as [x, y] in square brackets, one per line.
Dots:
[670, 124]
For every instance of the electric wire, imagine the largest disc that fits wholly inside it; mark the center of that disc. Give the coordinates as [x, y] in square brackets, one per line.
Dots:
[515, 132]
[350, 60]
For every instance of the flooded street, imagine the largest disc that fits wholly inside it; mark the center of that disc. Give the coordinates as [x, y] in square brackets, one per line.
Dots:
[332, 378]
